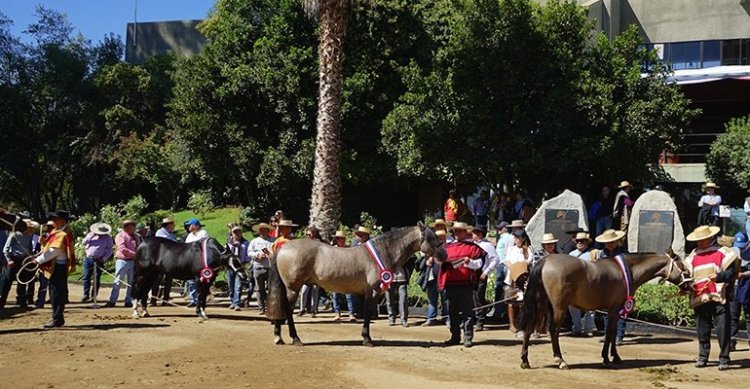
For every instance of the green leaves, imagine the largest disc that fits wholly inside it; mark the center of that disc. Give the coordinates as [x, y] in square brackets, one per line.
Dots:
[728, 159]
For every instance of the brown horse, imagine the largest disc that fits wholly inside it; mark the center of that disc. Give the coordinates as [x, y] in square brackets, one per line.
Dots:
[341, 270]
[559, 281]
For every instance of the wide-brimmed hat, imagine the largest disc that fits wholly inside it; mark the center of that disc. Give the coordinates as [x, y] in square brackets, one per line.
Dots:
[575, 231]
[440, 233]
[128, 221]
[517, 224]
[60, 215]
[710, 185]
[50, 223]
[287, 223]
[340, 234]
[30, 223]
[362, 230]
[166, 221]
[480, 227]
[260, 226]
[623, 184]
[702, 232]
[501, 225]
[583, 236]
[461, 226]
[236, 228]
[442, 222]
[549, 238]
[610, 236]
[101, 229]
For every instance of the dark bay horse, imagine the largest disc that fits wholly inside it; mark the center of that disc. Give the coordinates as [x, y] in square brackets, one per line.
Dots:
[559, 281]
[342, 270]
[181, 261]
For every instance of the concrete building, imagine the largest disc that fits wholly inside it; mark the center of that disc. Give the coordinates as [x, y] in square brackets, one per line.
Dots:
[148, 39]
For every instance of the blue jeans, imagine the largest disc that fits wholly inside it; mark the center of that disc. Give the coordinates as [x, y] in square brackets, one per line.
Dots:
[620, 327]
[91, 266]
[397, 301]
[235, 287]
[337, 306]
[432, 301]
[192, 292]
[41, 295]
[123, 269]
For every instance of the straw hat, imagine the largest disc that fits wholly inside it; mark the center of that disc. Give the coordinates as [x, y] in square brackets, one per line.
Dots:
[287, 223]
[582, 236]
[440, 222]
[702, 232]
[623, 184]
[166, 221]
[340, 234]
[440, 233]
[610, 236]
[710, 185]
[259, 226]
[50, 223]
[362, 230]
[101, 229]
[128, 222]
[517, 224]
[461, 226]
[549, 238]
[30, 223]
[236, 228]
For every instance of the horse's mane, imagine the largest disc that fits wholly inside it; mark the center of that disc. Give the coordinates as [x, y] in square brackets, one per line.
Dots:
[395, 243]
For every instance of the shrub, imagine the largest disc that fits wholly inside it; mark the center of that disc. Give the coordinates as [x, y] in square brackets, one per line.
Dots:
[659, 303]
[135, 208]
[81, 225]
[248, 218]
[112, 215]
[200, 203]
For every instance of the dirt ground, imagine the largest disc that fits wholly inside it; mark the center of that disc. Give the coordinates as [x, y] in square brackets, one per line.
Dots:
[105, 348]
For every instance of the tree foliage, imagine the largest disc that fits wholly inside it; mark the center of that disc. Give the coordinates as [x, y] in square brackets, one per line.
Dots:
[727, 162]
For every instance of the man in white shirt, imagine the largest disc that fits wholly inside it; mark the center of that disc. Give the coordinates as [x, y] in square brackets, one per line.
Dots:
[491, 262]
[258, 252]
[196, 234]
[582, 251]
[504, 240]
[709, 205]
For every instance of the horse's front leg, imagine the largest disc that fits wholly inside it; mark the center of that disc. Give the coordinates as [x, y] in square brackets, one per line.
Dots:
[200, 307]
[369, 299]
[609, 336]
[613, 340]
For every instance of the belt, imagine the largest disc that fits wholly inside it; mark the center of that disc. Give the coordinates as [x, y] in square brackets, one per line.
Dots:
[124, 259]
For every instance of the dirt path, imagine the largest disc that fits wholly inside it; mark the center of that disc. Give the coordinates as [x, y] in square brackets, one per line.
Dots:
[105, 348]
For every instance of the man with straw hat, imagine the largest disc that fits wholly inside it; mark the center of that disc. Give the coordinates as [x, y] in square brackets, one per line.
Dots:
[125, 244]
[623, 205]
[491, 262]
[17, 247]
[442, 225]
[259, 253]
[340, 241]
[709, 205]
[98, 244]
[582, 251]
[457, 277]
[712, 270]
[611, 240]
[167, 229]
[549, 244]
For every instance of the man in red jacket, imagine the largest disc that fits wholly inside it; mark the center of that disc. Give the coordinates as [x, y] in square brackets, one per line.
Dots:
[457, 277]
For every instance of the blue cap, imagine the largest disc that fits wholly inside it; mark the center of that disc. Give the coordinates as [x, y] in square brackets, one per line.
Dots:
[193, 221]
[740, 239]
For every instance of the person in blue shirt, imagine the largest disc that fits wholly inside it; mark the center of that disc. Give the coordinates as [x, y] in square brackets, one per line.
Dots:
[741, 302]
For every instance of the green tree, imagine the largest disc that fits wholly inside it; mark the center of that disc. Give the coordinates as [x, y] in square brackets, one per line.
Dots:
[729, 157]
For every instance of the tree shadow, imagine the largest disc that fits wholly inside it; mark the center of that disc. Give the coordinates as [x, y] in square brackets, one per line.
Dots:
[379, 343]
[83, 327]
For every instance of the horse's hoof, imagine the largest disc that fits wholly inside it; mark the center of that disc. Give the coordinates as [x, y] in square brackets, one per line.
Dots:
[278, 340]
[605, 364]
[563, 366]
[297, 342]
[616, 359]
[146, 314]
[135, 315]
[368, 343]
[525, 365]
[558, 361]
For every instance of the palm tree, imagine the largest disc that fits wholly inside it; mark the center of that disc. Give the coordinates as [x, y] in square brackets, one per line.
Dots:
[325, 205]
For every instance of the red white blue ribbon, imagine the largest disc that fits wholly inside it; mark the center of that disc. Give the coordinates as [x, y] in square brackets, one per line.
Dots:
[386, 276]
[629, 303]
[206, 273]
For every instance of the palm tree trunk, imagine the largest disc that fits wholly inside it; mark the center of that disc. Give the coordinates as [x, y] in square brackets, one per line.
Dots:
[325, 206]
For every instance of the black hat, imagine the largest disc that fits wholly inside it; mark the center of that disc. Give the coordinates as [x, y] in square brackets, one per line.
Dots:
[480, 227]
[575, 231]
[61, 214]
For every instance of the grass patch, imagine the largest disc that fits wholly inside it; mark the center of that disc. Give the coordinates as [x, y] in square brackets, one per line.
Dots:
[215, 222]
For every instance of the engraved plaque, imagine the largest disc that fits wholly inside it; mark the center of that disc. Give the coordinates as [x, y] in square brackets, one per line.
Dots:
[557, 221]
[655, 231]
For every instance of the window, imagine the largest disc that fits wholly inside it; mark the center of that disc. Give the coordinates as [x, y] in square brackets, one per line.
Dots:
[686, 55]
[745, 54]
[711, 53]
[730, 50]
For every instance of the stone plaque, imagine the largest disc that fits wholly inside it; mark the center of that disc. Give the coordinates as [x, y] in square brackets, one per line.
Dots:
[557, 221]
[655, 231]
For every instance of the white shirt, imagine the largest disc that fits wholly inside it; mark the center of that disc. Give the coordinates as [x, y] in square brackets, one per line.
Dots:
[515, 255]
[747, 208]
[714, 202]
[586, 255]
[196, 236]
[491, 262]
[255, 248]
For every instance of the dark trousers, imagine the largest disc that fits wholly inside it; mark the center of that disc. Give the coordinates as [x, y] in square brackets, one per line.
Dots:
[480, 298]
[90, 267]
[706, 316]
[41, 296]
[620, 334]
[261, 280]
[461, 311]
[161, 288]
[737, 310]
[21, 290]
[58, 292]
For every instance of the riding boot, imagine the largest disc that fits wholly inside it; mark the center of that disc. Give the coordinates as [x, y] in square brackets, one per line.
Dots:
[512, 318]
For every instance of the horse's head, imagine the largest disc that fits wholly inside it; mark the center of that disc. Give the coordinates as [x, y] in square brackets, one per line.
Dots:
[675, 271]
[430, 245]
[228, 259]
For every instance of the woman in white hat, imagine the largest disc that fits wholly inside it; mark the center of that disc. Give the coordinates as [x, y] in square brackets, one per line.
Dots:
[623, 205]
[549, 244]
[709, 205]
[713, 271]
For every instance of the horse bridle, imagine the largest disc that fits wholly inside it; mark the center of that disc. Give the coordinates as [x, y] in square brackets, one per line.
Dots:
[672, 262]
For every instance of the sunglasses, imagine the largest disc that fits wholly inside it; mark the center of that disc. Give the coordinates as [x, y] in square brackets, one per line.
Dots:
[581, 241]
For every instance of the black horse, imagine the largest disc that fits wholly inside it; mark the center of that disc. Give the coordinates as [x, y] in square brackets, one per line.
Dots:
[182, 261]
[11, 222]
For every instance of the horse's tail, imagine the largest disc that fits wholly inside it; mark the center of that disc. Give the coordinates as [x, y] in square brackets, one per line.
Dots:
[535, 301]
[278, 303]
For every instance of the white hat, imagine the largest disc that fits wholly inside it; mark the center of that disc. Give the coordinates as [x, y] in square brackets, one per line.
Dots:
[101, 229]
[549, 238]
[702, 232]
[610, 236]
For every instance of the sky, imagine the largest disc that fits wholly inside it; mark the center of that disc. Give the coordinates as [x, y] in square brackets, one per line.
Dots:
[97, 18]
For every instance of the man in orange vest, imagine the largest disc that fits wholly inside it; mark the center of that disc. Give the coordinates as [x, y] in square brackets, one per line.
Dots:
[57, 259]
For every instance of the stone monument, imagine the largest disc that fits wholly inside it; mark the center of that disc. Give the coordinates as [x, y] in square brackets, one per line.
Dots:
[655, 225]
[557, 215]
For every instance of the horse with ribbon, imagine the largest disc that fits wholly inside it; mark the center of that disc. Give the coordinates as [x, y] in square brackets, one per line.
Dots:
[559, 281]
[366, 270]
[200, 260]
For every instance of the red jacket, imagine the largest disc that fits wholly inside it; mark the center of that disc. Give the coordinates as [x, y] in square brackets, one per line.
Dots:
[462, 275]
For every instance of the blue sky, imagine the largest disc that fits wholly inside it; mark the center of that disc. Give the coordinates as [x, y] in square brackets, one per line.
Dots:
[96, 18]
